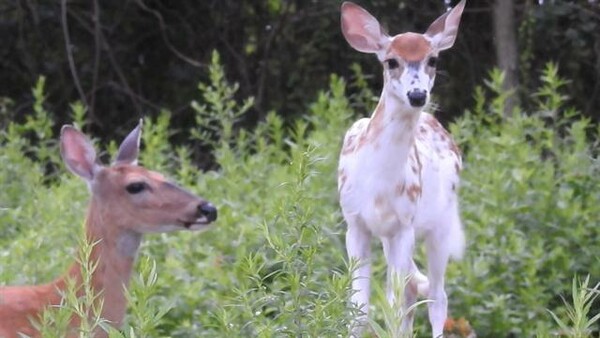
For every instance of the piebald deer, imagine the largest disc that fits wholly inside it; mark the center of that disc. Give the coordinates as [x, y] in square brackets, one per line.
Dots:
[399, 170]
[127, 201]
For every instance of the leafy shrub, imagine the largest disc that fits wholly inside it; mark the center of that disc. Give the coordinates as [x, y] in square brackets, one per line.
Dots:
[530, 206]
[274, 264]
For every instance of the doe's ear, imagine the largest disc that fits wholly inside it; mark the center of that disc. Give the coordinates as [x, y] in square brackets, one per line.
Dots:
[130, 147]
[78, 153]
[362, 31]
[444, 29]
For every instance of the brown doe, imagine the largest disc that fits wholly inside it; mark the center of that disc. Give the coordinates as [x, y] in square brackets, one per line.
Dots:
[127, 201]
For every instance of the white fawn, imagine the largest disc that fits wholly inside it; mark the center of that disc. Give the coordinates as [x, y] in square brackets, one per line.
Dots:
[399, 170]
[127, 201]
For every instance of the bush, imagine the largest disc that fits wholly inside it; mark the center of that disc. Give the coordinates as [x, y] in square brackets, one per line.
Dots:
[530, 206]
[274, 264]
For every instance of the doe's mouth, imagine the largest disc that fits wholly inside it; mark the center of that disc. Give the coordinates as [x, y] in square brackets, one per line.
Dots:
[198, 223]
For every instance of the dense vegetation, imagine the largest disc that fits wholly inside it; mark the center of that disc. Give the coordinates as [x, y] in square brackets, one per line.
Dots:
[274, 265]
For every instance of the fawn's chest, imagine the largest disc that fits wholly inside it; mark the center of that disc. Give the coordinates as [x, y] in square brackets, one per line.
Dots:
[381, 183]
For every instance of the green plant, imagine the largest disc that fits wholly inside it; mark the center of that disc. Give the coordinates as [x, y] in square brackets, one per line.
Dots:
[146, 307]
[394, 314]
[79, 301]
[577, 323]
[528, 202]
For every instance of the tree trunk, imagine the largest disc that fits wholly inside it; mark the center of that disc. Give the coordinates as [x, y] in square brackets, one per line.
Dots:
[507, 55]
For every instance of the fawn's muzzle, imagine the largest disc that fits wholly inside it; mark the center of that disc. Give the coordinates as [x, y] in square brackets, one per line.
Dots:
[417, 97]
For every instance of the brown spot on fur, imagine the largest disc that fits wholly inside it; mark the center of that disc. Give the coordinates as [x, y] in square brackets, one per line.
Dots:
[457, 167]
[411, 47]
[421, 133]
[400, 188]
[435, 125]
[418, 159]
[379, 201]
[343, 177]
[373, 130]
[454, 148]
[408, 119]
[413, 285]
[443, 134]
[349, 145]
[376, 124]
[413, 192]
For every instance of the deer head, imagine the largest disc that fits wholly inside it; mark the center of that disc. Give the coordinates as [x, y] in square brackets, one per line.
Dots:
[410, 58]
[129, 196]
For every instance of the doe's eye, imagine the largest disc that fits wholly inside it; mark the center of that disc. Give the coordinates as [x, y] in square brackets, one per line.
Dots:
[432, 62]
[135, 187]
[392, 64]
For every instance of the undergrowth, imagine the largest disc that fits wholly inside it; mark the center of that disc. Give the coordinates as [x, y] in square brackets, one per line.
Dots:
[274, 264]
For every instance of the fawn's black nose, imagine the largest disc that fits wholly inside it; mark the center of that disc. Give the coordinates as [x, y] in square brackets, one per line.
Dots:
[208, 210]
[417, 97]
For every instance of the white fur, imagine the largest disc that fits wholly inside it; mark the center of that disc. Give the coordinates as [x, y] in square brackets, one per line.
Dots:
[398, 221]
[398, 177]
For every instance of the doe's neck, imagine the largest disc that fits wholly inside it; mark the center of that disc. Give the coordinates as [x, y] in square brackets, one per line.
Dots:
[112, 258]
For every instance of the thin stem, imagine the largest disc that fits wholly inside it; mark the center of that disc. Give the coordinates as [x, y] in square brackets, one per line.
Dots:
[65, 26]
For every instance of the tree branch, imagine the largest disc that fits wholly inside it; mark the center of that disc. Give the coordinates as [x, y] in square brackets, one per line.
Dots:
[65, 27]
[163, 32]
[97, 51]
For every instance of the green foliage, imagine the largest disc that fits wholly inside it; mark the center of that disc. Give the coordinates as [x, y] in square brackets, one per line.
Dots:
[156, 152]
[262, 271]
[578, 323]
[529, 203]
[393, 313]
[221, 111]
[29, 151]
[274, 264]
[80, 301]
[146, 308]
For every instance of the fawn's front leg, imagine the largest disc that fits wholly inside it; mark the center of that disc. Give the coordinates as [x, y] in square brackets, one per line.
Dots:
[398, 251]
[358, 241]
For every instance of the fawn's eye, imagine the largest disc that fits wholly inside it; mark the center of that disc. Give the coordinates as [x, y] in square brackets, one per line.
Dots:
[432, 62]
[392, 63]
[135, 187]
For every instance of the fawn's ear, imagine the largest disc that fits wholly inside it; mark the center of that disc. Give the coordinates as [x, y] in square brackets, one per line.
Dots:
[130, 147]
[444, 29]
[362, 31]
[78, 153]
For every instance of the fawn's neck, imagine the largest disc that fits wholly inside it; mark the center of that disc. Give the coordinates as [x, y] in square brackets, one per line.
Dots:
[392, 129]
[114, 251]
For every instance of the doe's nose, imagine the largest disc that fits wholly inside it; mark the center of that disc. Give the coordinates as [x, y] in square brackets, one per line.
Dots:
[417, 97]
[208, 210]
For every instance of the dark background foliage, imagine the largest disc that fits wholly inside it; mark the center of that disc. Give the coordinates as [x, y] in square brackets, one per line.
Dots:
[135, 57]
